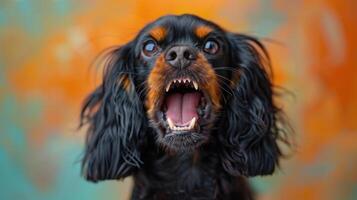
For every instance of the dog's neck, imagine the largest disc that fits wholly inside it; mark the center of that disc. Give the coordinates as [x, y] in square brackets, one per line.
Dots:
[178, 174]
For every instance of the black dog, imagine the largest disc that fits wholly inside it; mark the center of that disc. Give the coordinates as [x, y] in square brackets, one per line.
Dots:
[187, 109]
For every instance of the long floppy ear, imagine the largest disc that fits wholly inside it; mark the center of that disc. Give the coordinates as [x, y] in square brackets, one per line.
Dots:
[115, 116]
[249, 147]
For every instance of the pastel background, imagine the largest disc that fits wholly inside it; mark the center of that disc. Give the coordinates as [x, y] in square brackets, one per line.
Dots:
[47, 47]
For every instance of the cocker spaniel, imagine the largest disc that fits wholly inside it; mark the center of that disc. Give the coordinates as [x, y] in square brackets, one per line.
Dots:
[186, 108]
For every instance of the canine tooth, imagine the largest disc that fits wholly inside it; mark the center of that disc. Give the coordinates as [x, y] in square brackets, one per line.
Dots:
[195, 85]
[168, 87]
[171, 124]
[192, 123]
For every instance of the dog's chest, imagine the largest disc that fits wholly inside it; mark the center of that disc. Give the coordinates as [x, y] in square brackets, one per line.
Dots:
[180, 177]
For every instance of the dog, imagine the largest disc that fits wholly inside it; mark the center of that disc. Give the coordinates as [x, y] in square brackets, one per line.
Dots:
[187, 109]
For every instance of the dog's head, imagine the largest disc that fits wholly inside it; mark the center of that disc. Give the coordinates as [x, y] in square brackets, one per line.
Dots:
[185, 57]
[188, 81]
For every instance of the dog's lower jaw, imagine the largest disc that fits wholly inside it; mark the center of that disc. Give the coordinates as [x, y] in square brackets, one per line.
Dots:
[187, 142]
[183, 141]
[186, 175]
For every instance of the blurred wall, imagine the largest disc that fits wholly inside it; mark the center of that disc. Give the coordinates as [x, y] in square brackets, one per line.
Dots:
[47, 47]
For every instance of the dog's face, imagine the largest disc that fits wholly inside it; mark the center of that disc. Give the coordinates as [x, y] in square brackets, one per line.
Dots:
[189, 82]
[181, 61]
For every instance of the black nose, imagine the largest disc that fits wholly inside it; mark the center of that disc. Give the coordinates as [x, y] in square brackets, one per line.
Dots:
[180, 56]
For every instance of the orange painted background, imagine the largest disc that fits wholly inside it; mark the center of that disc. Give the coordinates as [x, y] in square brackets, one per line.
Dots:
[47, 48]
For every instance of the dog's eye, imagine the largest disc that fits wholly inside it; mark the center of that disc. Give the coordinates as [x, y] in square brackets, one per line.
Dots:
[150, 47]
[211, 47]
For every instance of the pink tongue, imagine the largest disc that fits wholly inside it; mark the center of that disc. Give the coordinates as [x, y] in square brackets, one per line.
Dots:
[182, 107]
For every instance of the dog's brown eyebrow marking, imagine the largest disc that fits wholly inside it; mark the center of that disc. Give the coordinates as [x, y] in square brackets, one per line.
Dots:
[158, 33]
[202, 31]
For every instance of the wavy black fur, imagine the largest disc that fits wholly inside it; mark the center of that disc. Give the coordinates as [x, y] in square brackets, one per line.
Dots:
[249, 146]
[117, 123]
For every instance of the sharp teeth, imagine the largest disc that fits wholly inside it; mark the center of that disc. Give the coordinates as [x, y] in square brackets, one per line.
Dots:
[171, 124]
[168, 87]
[192, 123]
[195, 85]
[181, 128]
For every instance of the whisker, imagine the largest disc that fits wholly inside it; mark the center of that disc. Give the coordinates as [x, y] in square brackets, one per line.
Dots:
[224, 98]
[222, 81]
[225, 78]
[227, 68]
[229, 92]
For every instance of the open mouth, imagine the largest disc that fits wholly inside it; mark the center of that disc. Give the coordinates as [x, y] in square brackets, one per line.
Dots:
[184, 106]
